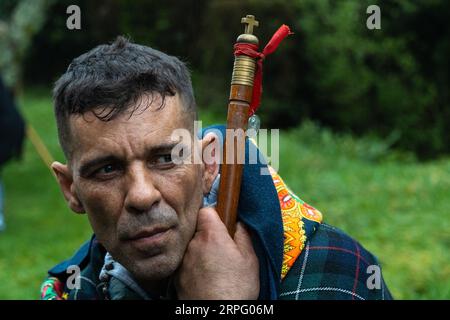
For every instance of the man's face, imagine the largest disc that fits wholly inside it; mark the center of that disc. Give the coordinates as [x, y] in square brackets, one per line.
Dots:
[142, 207]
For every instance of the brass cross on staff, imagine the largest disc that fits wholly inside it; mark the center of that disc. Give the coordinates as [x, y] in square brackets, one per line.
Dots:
[251, 22]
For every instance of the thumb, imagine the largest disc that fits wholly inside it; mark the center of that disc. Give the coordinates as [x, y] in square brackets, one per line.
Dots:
[208, 220]
[243, 240]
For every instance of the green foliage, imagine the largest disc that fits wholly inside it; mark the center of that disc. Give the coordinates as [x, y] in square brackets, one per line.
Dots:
[396, 207]
[392, 83]
[16, 35]
[389, 81]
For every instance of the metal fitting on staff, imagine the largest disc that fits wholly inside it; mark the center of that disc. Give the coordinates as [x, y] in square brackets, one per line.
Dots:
[243, 71]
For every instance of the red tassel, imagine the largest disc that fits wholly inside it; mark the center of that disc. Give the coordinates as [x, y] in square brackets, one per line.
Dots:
[276, 39]
[251, 50]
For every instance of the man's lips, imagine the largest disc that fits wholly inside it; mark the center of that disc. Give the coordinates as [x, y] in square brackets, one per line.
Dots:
[149, 238]
[147, 233]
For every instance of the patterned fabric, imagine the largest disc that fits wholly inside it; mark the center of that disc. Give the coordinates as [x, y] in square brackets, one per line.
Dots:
[52, 289]
[294, 211]
[333, 266]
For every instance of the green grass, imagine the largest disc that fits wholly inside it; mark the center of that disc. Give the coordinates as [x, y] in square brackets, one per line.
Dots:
[396, 207]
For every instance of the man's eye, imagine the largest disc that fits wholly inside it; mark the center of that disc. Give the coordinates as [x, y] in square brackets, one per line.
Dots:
[106, 170]
[164, 159]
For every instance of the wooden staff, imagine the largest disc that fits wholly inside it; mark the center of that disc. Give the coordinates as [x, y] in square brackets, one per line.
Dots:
[237, 118]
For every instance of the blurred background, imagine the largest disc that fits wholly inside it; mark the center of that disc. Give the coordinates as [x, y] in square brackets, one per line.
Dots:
[364, 117]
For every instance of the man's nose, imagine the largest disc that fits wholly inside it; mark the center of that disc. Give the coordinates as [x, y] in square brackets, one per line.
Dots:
[142, 193]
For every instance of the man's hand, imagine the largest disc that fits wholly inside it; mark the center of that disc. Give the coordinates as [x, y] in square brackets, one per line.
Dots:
[216, 266]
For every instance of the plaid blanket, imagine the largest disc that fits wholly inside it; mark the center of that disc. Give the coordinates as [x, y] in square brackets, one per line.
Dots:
[333, 266]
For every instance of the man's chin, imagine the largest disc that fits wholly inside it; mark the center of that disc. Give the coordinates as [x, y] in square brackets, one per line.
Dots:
[155, 268]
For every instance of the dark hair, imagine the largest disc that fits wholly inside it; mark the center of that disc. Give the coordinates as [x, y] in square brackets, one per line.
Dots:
[115, 76]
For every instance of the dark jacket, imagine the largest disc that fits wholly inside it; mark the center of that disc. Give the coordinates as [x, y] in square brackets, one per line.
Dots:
[12, 126]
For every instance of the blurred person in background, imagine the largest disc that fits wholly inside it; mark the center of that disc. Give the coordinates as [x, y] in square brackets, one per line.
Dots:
[12, 132]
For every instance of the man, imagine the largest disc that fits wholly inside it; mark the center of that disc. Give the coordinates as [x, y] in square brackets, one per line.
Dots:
[12, 133]
[157, 234]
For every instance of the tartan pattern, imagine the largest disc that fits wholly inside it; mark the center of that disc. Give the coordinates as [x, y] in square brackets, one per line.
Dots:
[332, 266]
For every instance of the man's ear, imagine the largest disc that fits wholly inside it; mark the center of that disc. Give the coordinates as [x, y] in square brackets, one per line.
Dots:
[65, 180]
[211, 159]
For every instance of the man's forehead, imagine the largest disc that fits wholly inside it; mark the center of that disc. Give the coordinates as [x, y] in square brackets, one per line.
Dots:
[145, 123]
